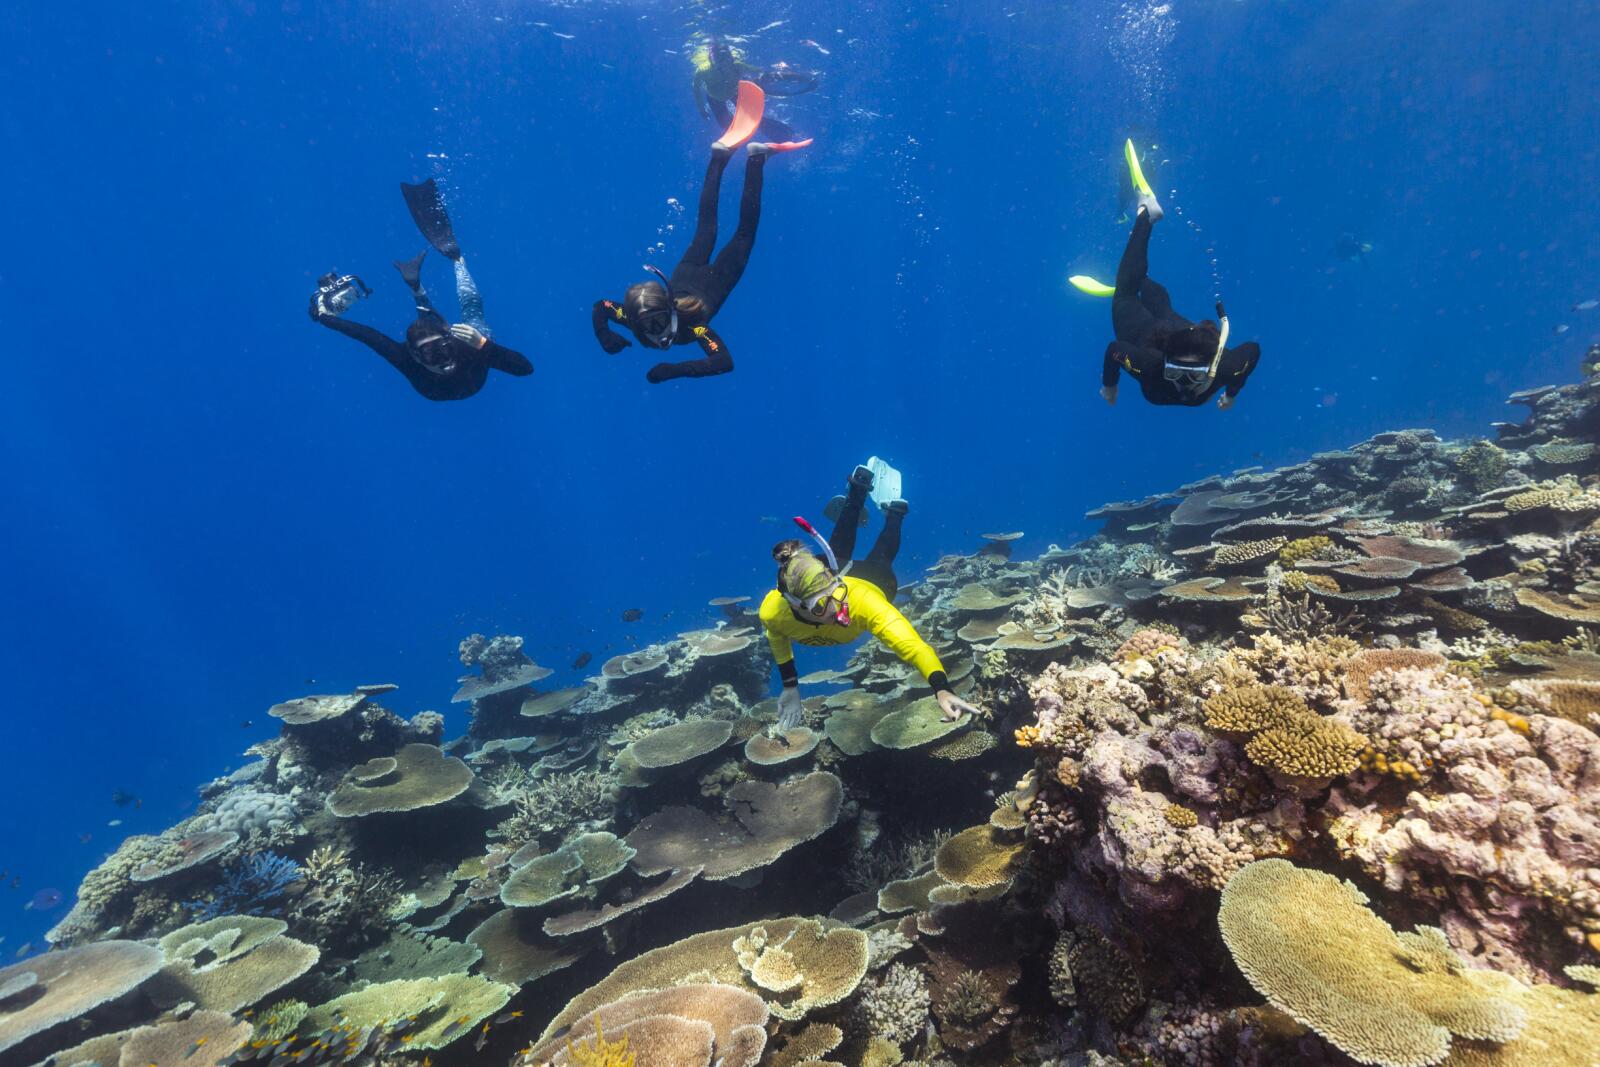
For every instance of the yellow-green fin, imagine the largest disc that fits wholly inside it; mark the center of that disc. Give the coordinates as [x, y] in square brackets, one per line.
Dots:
[1085, 284]
[1135, 172]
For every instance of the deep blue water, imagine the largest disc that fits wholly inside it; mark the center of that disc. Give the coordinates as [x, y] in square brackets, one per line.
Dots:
[210, 502]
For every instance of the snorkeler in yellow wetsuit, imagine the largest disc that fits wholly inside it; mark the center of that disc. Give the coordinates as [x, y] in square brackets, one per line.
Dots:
[719, 67]
[816, 605]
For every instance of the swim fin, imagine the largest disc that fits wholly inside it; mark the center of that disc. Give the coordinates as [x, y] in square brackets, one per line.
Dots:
[886, 483]
[835, 507]
[1147, 195]
[427, 211]
[1085, 284]
[765, 148]
[746, 117]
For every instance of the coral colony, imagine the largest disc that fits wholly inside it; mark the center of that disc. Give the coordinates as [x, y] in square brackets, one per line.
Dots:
[1284, 766]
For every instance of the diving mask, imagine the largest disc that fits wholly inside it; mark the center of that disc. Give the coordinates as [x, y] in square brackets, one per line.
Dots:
[834, 598]
[664, 337]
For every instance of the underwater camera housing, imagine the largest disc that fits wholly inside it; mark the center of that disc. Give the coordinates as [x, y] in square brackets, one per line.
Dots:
[337, 293]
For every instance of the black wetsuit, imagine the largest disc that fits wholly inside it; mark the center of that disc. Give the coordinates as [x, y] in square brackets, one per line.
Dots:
[1150, 335]
[878, 567]
[472, 365]
[697, 275]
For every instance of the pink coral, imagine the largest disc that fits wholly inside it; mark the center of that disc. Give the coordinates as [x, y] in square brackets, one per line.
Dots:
[1506, 828]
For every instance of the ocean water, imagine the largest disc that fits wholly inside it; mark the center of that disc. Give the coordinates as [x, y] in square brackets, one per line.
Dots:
[211, 505]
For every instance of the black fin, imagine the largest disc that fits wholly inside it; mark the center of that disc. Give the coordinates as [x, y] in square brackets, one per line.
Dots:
[427, 210]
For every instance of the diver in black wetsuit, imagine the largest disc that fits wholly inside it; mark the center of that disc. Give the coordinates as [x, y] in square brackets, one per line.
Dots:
[679, 310]
[440, 360]
[1174, 360]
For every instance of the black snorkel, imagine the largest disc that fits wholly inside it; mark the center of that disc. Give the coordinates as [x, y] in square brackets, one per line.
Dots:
[664, 338]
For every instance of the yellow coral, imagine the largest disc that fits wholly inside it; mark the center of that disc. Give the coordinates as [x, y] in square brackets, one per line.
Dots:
[1300, 581]
[1311, 946]
[600, 1052]
[1309, 747]
[1027, 736]
[1246, 709]
[1180, 816]
[1304, 548]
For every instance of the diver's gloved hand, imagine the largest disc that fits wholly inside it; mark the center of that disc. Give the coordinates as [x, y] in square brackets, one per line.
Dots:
[1109, 393]
[789, 709]
[462, 332]
[953, 706]
[1224, 401]
[614, 343]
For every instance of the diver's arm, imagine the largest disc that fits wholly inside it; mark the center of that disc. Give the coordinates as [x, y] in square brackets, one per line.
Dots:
[749, 71]
[700, 99]
[601, 316]
[886, 623]
[1244, 360]
[716, 361]
[389, 349]
[506, 360]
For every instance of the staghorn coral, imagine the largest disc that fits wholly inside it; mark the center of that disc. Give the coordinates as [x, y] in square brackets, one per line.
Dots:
[555, 806]
[894, 1006]
[1301, 619]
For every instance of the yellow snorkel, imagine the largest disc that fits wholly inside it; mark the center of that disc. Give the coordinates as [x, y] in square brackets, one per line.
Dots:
[1222, 343]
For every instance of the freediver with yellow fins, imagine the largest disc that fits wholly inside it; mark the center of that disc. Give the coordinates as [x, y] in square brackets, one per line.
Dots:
[678, 310]
[825, 597]
[1174, 360]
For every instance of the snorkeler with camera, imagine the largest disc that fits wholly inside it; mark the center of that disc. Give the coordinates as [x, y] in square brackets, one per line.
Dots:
[441, 361]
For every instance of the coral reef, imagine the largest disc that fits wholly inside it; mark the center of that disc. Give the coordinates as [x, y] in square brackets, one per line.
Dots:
[1379, 664]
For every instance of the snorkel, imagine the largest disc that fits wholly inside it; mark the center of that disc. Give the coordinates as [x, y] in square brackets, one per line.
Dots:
[841, 613]
[664, 338]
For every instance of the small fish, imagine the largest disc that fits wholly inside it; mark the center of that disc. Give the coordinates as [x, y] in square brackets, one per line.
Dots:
[633, 615]
[27, 947]
[809, 43]
[246, 724]
[770, 26]
[564, 36]
[114, 822]
[582, 661]
[1587, 305]
[122, 798]
[1561, 329]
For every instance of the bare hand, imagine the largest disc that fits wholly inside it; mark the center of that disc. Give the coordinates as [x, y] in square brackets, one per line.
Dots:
[1224, 402]
[953, 706]
[462, 332]
[1109, 392]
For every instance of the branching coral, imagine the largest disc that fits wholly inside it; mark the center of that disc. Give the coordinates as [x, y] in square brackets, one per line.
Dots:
[553, 807]
[894, 1006]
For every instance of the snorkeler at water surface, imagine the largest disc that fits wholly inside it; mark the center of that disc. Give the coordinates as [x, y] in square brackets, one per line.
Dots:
[1174, 360]
[719, 67]
[678, 310]
[830, 599]
[441, 361]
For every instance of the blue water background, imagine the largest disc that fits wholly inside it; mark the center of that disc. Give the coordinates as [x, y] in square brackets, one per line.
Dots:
[210, 504]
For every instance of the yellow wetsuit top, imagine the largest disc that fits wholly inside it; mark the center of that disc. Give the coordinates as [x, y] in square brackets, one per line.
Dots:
[870, 612]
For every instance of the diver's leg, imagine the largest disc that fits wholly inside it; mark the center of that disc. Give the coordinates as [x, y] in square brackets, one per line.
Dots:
[1130, 318]
[705, 227]
[887, 547]
[843, 538]
[470, 299]
[735, 255]
[1154, 296]
[411, 272]
[1135, 265]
